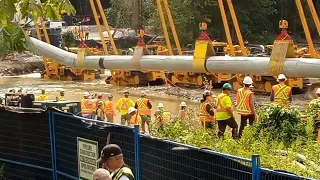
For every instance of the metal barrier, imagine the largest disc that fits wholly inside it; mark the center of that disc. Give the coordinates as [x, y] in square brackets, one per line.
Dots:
[25, 147]
[33, 146]
[67, 128]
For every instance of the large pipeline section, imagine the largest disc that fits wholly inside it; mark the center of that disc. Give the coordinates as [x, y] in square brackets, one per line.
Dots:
[294, 67]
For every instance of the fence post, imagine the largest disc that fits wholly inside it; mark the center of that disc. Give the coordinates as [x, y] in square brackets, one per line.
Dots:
[137, 151]
[256, 171]
[52, 144]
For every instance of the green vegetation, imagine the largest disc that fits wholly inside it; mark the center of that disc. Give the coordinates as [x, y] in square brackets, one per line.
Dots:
[258, 19]
[12, 36]
[283, 138]
[68, 39]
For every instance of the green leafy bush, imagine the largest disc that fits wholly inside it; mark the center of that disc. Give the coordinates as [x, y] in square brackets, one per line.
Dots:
[281, 137]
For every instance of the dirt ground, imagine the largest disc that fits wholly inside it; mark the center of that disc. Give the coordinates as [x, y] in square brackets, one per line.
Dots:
[18, 64]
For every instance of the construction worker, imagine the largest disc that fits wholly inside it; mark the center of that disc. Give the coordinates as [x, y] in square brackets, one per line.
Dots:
[245, 104]
[76, 32]
[206, 111]
[61, 97]
[109, 109]
[100, 100]
[111, 158]
[86, 31]
[135, 119]
[315, 104]
[100, 111]
[183, 111]
[87, 106]
[43, 96]
[281, 94]
[224, 114]
[162, 116]
[144, 109]
[123, 105]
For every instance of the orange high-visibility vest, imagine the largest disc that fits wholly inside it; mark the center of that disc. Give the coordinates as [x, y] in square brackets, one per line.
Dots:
[182, 114]
[136, 120]
[318, 138]
[204, 115]
[281, 94]
[109, 107]
[219, 106]
[43, 97]
[143, 108]
[86, 108]
[243, 101]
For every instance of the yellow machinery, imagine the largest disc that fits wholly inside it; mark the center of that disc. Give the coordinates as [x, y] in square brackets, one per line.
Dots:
[122, 78]
[57, 71]
[283, 43]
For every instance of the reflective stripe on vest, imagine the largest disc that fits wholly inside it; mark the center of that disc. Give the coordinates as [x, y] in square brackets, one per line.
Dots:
[143, 108]
[108, 107]
[124, 105]
[219, 106]
[204, 115]
[123, 171]
[42, 97]
[243, 101]
[61, 98]
[281, 93]
[86, 108]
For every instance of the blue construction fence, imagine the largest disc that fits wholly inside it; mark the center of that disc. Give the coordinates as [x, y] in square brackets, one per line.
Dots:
[37, 144]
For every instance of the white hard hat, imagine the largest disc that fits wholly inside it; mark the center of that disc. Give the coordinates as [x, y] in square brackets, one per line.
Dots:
[282, 76]
[86, 94]
[247, 80]
[160, 105]
[207, 93]
[143, 93]
[182, 104]
[131, 109]
[318, 91]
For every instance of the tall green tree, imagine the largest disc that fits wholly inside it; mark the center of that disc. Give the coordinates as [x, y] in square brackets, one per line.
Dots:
[12, 35]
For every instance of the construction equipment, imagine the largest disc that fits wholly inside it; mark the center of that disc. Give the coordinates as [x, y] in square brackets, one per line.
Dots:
[123, 77]
[57, 71]
[284, 43]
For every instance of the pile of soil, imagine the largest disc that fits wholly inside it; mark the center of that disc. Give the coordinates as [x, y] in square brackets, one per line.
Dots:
[21, 63]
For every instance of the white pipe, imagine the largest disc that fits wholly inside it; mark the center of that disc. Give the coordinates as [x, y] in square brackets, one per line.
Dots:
[294, 67]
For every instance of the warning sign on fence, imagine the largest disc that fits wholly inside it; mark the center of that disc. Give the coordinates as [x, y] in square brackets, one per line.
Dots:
[87, 158]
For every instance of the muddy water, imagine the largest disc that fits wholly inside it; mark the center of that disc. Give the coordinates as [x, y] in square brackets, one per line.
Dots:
[74, 91]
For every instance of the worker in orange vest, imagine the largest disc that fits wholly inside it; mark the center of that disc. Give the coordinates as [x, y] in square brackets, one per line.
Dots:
[109, 109]
[183, 111]
[144, 109]
[123, 105]
[162, 116]
[86, 106]
[43, 96]
[206, 110]
[281, 94]
[245, 104]
[86, 31]
[224, 112]
[135, 118]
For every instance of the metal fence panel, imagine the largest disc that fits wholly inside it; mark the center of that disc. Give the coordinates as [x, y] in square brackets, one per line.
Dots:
[267, 174]
[68, 127]
[25, 140]
[168, 160]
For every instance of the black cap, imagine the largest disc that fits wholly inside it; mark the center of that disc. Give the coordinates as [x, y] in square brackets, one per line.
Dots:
[109, 151]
